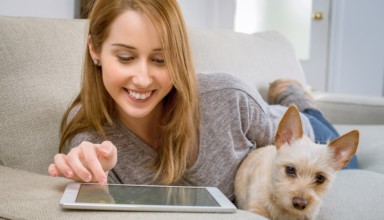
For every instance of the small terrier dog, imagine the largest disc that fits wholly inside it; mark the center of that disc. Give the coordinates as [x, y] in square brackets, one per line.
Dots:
[287, 180]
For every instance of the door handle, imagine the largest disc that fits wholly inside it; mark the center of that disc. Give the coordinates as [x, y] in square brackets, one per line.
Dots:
[318, 16]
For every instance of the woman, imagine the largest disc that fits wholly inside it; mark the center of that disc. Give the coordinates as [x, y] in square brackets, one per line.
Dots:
[144, 116]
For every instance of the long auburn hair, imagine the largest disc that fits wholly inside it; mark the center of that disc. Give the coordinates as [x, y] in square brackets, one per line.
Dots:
[180, 121]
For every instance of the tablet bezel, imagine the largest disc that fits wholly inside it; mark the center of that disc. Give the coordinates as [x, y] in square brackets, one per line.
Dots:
[68, 201]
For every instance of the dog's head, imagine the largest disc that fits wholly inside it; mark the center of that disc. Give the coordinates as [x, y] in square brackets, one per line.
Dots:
[304, 170]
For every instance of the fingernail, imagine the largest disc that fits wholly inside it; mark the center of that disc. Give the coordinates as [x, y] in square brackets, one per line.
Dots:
[68, 173]
[88, 177]
[103, 181]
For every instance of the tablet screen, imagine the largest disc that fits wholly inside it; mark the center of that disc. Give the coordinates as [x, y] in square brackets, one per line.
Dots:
[145, 195]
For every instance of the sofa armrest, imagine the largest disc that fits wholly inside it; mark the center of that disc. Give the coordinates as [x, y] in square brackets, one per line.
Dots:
[351, 109]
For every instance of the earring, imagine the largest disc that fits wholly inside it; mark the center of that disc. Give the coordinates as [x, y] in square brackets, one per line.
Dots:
[96, 62]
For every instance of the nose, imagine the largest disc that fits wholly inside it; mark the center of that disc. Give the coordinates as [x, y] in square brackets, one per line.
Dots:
[299, 203]
[142, 77]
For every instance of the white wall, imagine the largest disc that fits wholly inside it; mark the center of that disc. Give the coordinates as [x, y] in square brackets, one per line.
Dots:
[292, 18]
[41, 8]
[212, 14]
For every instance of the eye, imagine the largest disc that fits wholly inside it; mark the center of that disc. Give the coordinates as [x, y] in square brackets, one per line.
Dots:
[125, 59]
[158, 61]
[320, 179]
[290, 171]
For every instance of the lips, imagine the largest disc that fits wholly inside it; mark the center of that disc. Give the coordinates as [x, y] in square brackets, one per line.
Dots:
[139, 95]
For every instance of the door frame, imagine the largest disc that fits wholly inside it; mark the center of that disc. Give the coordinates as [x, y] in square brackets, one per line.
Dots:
[316, 67]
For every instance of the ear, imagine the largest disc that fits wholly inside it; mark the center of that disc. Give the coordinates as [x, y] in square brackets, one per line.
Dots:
[91, 49]
[343, 148]
[290, 128]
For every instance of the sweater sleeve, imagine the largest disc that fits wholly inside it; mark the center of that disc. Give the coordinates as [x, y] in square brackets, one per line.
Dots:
[259, 120]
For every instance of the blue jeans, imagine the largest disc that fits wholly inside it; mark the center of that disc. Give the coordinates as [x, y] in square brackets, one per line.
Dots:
[324, 131]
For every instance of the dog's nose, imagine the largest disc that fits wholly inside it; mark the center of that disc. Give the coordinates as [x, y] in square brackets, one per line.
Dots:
[299, 203]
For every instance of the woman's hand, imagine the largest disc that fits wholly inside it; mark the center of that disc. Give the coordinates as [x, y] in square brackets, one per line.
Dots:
[86, 163]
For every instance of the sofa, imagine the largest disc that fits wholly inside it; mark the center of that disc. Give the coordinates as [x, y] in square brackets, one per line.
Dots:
[40, 72]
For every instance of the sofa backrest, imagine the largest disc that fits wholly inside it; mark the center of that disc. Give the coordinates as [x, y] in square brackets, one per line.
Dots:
[40, 66]
[256, 58]
[40, 72]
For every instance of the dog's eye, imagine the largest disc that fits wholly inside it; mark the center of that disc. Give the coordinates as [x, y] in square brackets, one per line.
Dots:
[320, 179]
[290, 171]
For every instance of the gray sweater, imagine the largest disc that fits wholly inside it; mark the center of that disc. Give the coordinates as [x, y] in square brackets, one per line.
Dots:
[234, 120]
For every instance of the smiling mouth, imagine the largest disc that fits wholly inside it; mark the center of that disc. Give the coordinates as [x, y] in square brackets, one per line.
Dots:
[139, 95]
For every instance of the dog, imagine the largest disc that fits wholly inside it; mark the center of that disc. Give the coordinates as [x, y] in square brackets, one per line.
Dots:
[287, 180]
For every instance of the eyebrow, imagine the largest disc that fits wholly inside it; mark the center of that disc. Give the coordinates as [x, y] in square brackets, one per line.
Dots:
[133, 48]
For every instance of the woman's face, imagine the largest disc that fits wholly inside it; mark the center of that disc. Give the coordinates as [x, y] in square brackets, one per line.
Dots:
[133, 66]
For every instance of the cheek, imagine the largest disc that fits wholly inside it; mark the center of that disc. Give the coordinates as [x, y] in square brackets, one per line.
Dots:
[164, 78]
[112, 77]
[112, 72]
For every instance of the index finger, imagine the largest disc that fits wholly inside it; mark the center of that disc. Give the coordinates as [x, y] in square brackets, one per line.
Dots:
[92, 162]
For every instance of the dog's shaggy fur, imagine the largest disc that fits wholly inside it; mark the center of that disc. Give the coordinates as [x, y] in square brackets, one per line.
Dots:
[287, 180]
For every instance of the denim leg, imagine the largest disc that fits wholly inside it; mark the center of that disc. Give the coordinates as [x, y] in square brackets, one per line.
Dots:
[353, 164]
[325, 132]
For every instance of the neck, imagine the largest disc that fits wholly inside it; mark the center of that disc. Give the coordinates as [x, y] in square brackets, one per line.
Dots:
[146, 128]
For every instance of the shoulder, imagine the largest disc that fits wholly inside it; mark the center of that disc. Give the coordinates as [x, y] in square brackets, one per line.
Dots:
[220, 81]
[224, 86]
[72, 112]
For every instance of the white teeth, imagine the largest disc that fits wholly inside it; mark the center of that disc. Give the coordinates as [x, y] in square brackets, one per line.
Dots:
[141, 96]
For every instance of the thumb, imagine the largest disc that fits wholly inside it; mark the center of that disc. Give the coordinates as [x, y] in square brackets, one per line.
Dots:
[107, 154]
[106, 149]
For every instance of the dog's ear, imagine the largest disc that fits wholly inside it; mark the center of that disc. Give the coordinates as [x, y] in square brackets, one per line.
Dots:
[343, 148]
[290, 127]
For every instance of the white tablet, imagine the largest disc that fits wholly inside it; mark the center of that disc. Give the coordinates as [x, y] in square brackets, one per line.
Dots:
[125, 197]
